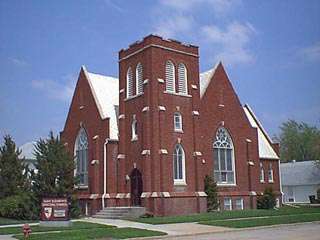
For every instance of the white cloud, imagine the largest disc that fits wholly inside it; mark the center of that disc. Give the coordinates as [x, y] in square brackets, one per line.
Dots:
[18, 62]
[55, 89]
[311, 53]
[231, 43]
[218, 6]
[113, 5]
[170, 27]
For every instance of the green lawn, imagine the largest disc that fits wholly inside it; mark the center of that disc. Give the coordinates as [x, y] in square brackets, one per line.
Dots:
[94, 233]
[228, 215]
[7, 221]
[273, 220]
[79, 231]
[75, 226]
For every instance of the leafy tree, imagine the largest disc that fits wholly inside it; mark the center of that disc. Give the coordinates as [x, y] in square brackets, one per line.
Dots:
[299, 141]
[55, 176]
[210, 188]
[12, 171]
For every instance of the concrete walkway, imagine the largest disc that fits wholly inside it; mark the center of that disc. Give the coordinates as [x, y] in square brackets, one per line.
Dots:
[174, 229]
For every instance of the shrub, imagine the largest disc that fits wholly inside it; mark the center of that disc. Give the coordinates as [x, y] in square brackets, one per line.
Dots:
[20, 206]
[318, 194]
[210, 188]
[267, 200]
[75, 210]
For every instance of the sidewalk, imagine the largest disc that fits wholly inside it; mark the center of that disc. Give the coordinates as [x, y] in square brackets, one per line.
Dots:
[174, 229]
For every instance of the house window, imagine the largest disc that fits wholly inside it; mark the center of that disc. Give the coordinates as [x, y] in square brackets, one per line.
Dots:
[81, 151]
[170, 77]
[177, 122]
[223, 153]
[239, 203]
[227, 204]
[270, 174]
[182, 79]
[139, 79]
[179, 164]
[261, 173]
[134, 129]
[129, 83]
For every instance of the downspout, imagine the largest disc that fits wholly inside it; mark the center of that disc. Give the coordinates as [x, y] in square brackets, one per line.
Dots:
[279, 171]
[104, 173]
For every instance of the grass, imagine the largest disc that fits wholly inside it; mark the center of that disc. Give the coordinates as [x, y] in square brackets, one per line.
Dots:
[80, 231]
[75, 226]
[228, 215]
[94, 233]
[8, 221]
[267, 221]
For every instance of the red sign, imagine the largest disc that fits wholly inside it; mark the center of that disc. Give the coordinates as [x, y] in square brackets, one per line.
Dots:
[54, 209]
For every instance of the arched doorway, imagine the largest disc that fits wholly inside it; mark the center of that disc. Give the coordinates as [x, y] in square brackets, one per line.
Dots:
[136, 187]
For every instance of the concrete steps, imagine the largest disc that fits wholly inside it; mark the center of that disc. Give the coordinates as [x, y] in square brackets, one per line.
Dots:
[120, 212]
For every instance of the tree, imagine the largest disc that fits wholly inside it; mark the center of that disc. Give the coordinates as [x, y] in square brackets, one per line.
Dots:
[210, 188]
[12, 177]
[299, 141]
[55, 176]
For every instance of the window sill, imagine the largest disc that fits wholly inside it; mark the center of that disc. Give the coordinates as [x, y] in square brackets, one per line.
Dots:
[262, 182]
[178, 94]
[270, 181]
[178, 131]
[226, 184]
[179, 183]
[132, 97]
[134, 139]
[81, 187]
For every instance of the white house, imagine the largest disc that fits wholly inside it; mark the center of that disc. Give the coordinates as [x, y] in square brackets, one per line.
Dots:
[299, 181]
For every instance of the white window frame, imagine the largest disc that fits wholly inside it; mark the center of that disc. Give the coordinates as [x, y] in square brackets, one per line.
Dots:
[261, 173]
[270, 174]
[177, 116]
[182, 79]
[241, 205]
[84, 146]
[227, 203]
[170, 71]
[134, 130]
[179, 181]
[223, 140]
[139, 79]
[129, 77]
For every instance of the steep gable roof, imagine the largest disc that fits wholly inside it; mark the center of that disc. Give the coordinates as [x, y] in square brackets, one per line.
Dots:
[264, 141]
[205, 79]
[105, 91]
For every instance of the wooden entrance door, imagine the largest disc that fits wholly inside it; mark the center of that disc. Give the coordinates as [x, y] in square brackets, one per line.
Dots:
[136, 187]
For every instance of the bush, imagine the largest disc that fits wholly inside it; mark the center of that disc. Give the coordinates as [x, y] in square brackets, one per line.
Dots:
[21, 206]
[210, 188]
[75, 210]
[318, 194]
[267, 200]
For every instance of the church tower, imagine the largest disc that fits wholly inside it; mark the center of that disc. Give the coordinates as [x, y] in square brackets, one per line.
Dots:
[159, 160]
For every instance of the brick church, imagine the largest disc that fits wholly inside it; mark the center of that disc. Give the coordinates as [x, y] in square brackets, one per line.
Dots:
[150, 137]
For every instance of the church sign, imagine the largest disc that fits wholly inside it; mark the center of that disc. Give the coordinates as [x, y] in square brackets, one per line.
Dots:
[54, 209]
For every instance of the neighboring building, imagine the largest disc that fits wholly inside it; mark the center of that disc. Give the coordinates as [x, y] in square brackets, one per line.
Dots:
[150, 137]
[299, 180]
[27, 152]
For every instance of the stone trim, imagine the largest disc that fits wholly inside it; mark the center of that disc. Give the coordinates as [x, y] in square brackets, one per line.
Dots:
[145, 194]
[94, 161]
[154, 194]
[120, 195]
[94, 196]
[195, 113]
[145, 152]
[121, 156]
[121, 116]
[162, 108]
[160, 80]
[197, 153]
[121, 90]
[202, 194]
[145, 81]
[163, 151]
[145, 109]
[95, 137]
[193, 86]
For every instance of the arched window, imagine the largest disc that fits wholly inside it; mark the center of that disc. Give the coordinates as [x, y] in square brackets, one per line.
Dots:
[170, 77]
[261, 173]
[179, 174]
[270, 174]
[177, 119]
[134, 128]
[129, 83]
[81, 151]
[182, 79]
[139, 79]
[223, 152]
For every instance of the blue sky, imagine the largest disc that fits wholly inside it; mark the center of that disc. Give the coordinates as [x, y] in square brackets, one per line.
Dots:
[271, 50]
